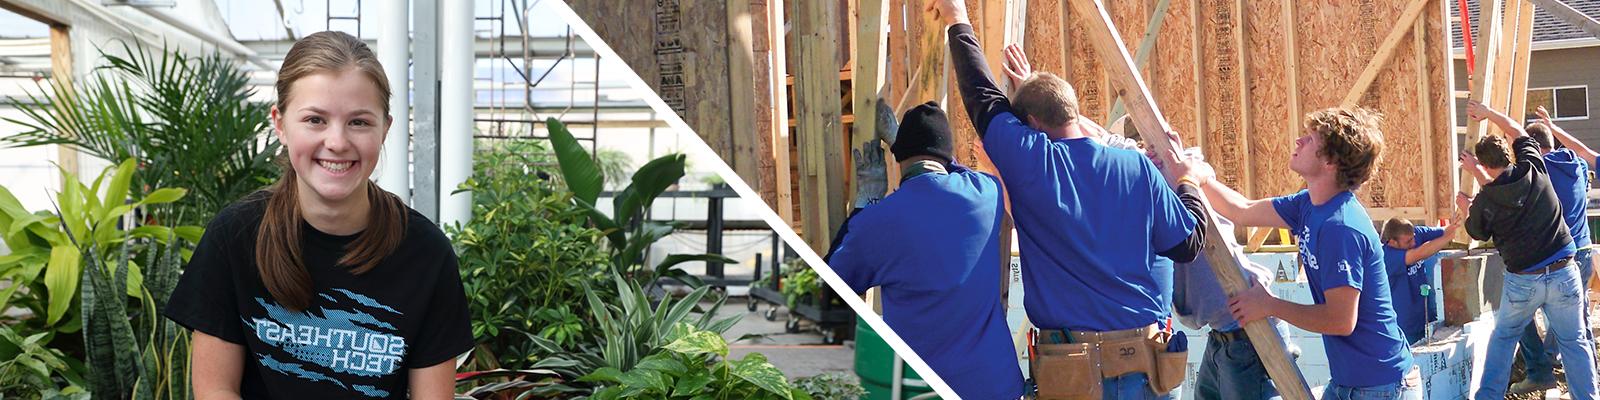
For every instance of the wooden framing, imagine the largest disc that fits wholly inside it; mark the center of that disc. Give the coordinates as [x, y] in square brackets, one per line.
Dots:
[819, 123]
[1153, 126]
[867, 87]
[1482, 88]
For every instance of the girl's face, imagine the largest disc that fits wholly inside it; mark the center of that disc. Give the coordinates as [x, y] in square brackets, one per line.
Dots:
[333, 128]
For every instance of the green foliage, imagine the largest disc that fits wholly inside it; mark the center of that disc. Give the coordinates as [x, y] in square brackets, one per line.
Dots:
[134, 353]
[27, 367]
[525, 257]
[799, 282]
[831, 386]
[188, 120]
[694, 365]
[47, 254]
[628, 230]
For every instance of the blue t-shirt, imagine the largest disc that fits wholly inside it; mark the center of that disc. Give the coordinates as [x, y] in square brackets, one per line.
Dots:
[1406, 280]
[1338, 248]
[1569, 175]
[933, 246]
[1091, 219]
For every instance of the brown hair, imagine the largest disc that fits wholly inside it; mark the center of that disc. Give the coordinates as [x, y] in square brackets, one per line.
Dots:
[1351, 139]
[1394, 228]
[1541, 135]
[1047, 98]
[1493, 151]
[277, 257]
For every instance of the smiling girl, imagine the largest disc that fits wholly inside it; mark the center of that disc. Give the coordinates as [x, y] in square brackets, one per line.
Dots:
[324, 285]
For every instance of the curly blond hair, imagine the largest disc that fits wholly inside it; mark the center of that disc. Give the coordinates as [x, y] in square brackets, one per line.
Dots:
[1351, 139]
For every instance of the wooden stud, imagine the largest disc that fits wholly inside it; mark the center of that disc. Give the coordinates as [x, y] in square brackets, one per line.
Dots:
[818, 119]
[1425, 98]
[1482, 88]
[1152, 125]
[61, 71]
[741, 113]
[1292, 66]
[1380, 57]
[867, 85]
[1503, 60]
[782, 181]
[1517, 109]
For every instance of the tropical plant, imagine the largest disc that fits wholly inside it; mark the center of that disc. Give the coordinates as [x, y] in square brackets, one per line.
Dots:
[694, 364]
[188, 120]
[47, 247]
[799, 282]
[27, 368]
[524, 258]
[133, 353]
[628, 229]
[831, 386]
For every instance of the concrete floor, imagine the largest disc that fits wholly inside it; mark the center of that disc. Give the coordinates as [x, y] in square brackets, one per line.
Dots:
[796, 354]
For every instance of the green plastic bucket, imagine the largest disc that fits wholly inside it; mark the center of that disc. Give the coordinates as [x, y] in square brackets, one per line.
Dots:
[875, 367]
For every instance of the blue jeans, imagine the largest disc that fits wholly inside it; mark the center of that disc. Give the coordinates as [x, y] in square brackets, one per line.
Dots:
[1130, 387]
[1560, 294]
[1409, 388]
[1538, 356]
[1231, 369]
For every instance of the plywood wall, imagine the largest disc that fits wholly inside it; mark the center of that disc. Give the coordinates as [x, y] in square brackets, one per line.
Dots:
[1235, 78]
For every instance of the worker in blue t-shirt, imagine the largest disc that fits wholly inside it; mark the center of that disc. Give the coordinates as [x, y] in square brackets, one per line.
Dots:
[935, 248]
[1339, 252]
[1091, 219]
[1407, 250]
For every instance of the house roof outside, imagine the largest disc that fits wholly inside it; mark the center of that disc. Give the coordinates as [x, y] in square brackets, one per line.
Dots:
[1546, 26]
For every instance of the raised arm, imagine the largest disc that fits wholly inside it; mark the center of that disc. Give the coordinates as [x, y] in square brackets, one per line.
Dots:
[1431, 247]
[1469, 164]
[982, 97]
[1479, 112]
[1565, 138]
[1231, 204]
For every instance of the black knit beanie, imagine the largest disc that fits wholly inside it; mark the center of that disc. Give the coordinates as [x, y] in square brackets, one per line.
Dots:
[924, 131]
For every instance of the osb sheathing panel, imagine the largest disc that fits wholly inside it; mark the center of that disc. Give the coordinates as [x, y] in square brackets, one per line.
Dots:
[964, 135]
[1042, 38]
[1441, 102]
[1221, 70]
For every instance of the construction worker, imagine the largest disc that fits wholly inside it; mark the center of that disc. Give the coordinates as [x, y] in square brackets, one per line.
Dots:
[1339, 254]
[1569, 176]
[1093, 299]
[1519, 210]
[933, 247]
[1406, 250]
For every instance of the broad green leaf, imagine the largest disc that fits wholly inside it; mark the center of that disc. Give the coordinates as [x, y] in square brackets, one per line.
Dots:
[664, 363]
[650, 380]
[117, 190]
[578, 168]
[691, 385]
[699, 342]
[649, 181]
[604, 374]
[190, 233]
[61, 279]
[755, 369]
[163, 196]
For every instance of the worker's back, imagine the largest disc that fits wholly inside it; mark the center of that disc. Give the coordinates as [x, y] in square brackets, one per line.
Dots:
[933, 247]
[1091, 220]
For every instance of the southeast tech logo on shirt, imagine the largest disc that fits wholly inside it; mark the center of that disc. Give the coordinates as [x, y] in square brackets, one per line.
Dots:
[1304, 238]
[338, 343]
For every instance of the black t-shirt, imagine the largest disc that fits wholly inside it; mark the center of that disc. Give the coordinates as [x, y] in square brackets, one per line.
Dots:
[361, 333]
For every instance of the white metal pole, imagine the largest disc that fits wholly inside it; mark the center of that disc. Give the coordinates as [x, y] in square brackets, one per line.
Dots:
[455, 109]
[394, 52]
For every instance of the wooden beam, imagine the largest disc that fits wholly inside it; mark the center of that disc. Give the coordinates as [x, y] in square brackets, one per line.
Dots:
[61, 71]
[867, 86]
[1482, 88]
[1419, 30]
[782, 182]
[1141, 58]
[1380, 58]
[741, 113]
[1519, 60]
[1570, 15]
[1292, 65]
[818, 113]
[1503, 62]
[927, 77]
[1153, 127]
